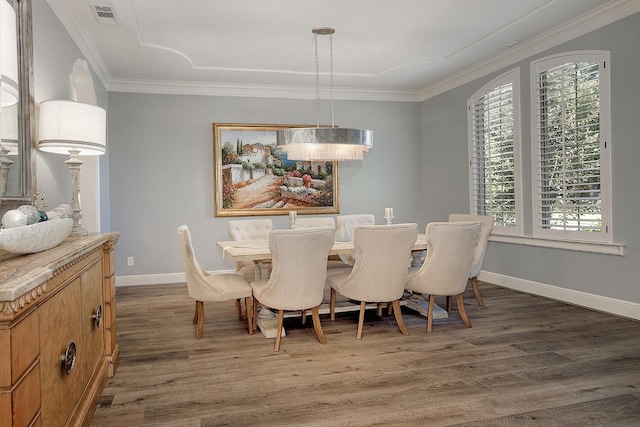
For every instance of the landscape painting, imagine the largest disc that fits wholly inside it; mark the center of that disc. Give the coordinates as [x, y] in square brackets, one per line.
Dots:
[253, 177]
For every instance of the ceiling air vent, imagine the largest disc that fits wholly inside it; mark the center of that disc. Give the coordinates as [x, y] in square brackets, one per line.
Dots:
[104, 13]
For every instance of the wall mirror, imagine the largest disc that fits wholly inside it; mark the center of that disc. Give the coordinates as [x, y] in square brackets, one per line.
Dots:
[17, 112]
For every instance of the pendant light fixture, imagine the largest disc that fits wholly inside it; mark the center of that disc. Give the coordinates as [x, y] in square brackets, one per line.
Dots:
[324, 143]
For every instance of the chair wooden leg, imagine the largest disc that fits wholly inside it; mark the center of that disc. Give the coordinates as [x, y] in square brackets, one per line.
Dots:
[432, 300]
[449, 307]
[363, 305]
[389, 308]
[304, 317]
[476, 290]
[239, 307]
[379, 309]
[462, 311]
[279, 331]
[332, 305]
[317, 326]
[200, 314]
[399, 319]
[249, 310]
[195, 314]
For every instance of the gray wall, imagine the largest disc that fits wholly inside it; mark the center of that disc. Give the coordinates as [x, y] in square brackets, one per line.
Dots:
[161, 167]
[445, 179]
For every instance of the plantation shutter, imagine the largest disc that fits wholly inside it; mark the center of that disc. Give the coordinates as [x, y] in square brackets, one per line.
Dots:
[493, 155]
[569, 148]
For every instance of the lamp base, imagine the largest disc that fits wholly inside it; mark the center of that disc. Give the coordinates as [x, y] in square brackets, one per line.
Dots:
[74, 164]
[78, 231]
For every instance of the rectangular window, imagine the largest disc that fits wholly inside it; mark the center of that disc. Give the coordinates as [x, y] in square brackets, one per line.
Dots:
[571, 155]
[493, 149]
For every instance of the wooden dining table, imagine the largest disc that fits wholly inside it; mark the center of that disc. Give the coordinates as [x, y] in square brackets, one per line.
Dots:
[257, 251]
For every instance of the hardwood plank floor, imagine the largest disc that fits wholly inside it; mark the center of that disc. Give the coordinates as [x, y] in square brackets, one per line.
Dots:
[526, 361]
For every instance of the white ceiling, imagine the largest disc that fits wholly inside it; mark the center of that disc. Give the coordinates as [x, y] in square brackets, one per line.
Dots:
[383, 49]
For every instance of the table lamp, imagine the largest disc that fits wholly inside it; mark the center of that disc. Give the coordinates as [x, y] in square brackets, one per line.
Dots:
[74, 128]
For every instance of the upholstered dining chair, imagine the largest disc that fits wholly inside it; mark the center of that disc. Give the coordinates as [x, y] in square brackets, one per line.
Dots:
[248, 229]
[382, 254]
[313, 222]
[203, 286]
[298, 275]
[480, 249]
[450, 247]
[350, 222]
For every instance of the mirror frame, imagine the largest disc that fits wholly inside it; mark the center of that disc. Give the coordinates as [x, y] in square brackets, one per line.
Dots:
[26, 110]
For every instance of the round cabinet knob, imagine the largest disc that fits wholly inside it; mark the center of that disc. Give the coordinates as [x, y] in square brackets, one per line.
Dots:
[97, 316]
[68, 359]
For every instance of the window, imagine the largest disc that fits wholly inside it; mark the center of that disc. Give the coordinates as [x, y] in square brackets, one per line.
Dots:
[570, 146]
[494, 146]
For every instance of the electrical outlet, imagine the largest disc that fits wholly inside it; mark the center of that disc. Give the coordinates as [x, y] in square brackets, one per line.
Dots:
[130, 261]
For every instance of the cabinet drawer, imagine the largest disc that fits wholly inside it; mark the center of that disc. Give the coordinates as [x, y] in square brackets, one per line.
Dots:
[60, 322]
[92, 332]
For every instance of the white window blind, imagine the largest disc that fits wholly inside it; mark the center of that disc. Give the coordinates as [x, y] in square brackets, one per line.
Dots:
[571, 151]
[492, 152]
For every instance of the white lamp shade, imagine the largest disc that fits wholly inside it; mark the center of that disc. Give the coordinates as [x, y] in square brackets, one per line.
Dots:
[66, 125]
[8, 55]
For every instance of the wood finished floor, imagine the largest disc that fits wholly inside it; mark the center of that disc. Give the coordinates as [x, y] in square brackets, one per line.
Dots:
[526, 361]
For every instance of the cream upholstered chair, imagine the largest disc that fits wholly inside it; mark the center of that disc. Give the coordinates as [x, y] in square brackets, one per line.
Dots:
[203, 286]
[350, 222]
[298, 275]
[382, 254]
[249, 229]
[312, 222]
[480, 249]
[445, 270]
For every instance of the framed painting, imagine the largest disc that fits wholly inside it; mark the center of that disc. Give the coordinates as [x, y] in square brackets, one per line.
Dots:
[253, 177]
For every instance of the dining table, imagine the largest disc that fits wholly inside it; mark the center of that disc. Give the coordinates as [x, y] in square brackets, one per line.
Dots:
[257, 251]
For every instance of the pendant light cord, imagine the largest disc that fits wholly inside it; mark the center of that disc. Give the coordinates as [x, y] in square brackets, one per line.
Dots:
[331, 72]
[315, 41]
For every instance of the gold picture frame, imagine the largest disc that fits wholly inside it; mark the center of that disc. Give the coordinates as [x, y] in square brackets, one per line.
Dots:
[253, 177]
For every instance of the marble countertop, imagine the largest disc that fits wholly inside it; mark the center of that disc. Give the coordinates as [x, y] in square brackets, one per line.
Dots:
[20, 274]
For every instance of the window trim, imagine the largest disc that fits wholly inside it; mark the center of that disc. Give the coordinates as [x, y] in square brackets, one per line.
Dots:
[545, 63]
[512, 76]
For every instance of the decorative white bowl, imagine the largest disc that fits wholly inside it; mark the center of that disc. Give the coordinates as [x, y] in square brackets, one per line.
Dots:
[33, 238]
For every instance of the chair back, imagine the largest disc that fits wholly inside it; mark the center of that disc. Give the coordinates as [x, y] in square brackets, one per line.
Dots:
[351, 221]
[382, 257]
[313, 222]
[299, 268]
[481, 246]
[450, 247]
[249, 229]
[198, 286]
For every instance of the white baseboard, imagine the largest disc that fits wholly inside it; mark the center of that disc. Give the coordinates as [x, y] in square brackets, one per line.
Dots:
[157, 279]
[582, 299]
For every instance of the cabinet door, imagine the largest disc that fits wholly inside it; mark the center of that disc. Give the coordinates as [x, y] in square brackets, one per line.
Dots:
[92, 329]
[59, 327]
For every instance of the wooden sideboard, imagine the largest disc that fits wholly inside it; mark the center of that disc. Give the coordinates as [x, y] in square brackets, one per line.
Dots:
[58, 340]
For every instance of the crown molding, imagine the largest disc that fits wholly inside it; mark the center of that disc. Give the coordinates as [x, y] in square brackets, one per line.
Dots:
[255, 91]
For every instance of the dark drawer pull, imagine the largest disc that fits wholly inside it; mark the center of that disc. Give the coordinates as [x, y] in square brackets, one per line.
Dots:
[97, 316]
[69, 358]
